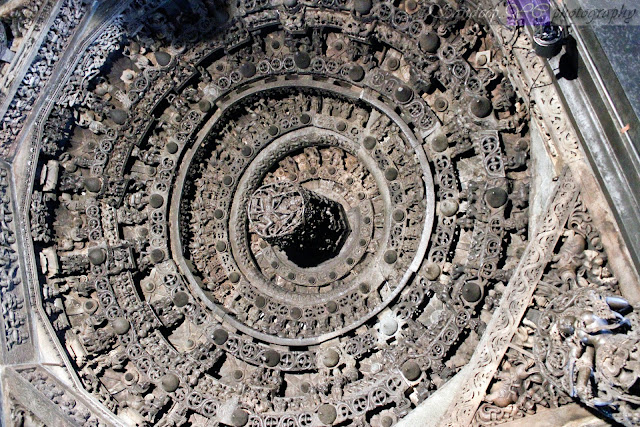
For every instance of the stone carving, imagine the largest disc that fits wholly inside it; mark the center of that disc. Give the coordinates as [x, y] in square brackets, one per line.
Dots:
[141, 312]
[534, 83]
[26, 22]
[372, 212]
[261, 220]
[5, 54]
[519, 389]
[514, 302]
[21, 17]
[298, 220]
[588, 348]
[573, 314]
[39, 72]
[21, 416]
[75, 409]
[14, 315]
[93, 60]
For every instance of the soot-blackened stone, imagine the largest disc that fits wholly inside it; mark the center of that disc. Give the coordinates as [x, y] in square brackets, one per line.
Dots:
[157, 256]
[271, 358]
[432, 271]
[429, 42]
[156, 200]
[93, 184]
[121, 325]
[308, 227]
[172, 147]
[204, 106]
[163, 58]
[449, 207]
[481, 107]
[496, 197]
[403, 94]
[390, 256]
[331, 358]
[239, 418]
[369, 142]
[97, 256]
[248, 70]
[471, 292]
[411, 370]
[170, 382]
[220, 336]
[180, 299]
[356, 73]
[440, 143]
[302, 60]
[363, 7]
[118, 116]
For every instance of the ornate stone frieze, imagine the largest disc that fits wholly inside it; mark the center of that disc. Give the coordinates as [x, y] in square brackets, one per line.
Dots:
[92, 61]
[40, 398]
[163, 289]
[578, 339]
[20, 18]
[39, 71]
[293, 214]
[22, 22]
[518, 387]
[513, 304]
[533, 81]
[15, 322]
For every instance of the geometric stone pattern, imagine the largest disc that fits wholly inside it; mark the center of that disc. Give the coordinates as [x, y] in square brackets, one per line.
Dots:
[38, 398]
[578, 338]
[515, 300]
[15, 323]
[158, 282]
[290, 214]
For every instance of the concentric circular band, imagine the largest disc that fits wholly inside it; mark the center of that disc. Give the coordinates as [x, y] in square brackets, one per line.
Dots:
[262, 161]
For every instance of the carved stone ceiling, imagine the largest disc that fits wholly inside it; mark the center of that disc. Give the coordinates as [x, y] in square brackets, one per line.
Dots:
[298, 213]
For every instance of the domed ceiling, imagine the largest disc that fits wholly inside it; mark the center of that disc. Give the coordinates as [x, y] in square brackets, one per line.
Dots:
[305, 213]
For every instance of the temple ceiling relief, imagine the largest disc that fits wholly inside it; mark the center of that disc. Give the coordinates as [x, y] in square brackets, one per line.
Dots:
[299, 214]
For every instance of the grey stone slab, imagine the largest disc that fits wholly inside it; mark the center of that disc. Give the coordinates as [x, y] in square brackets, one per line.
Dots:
[621, 44]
